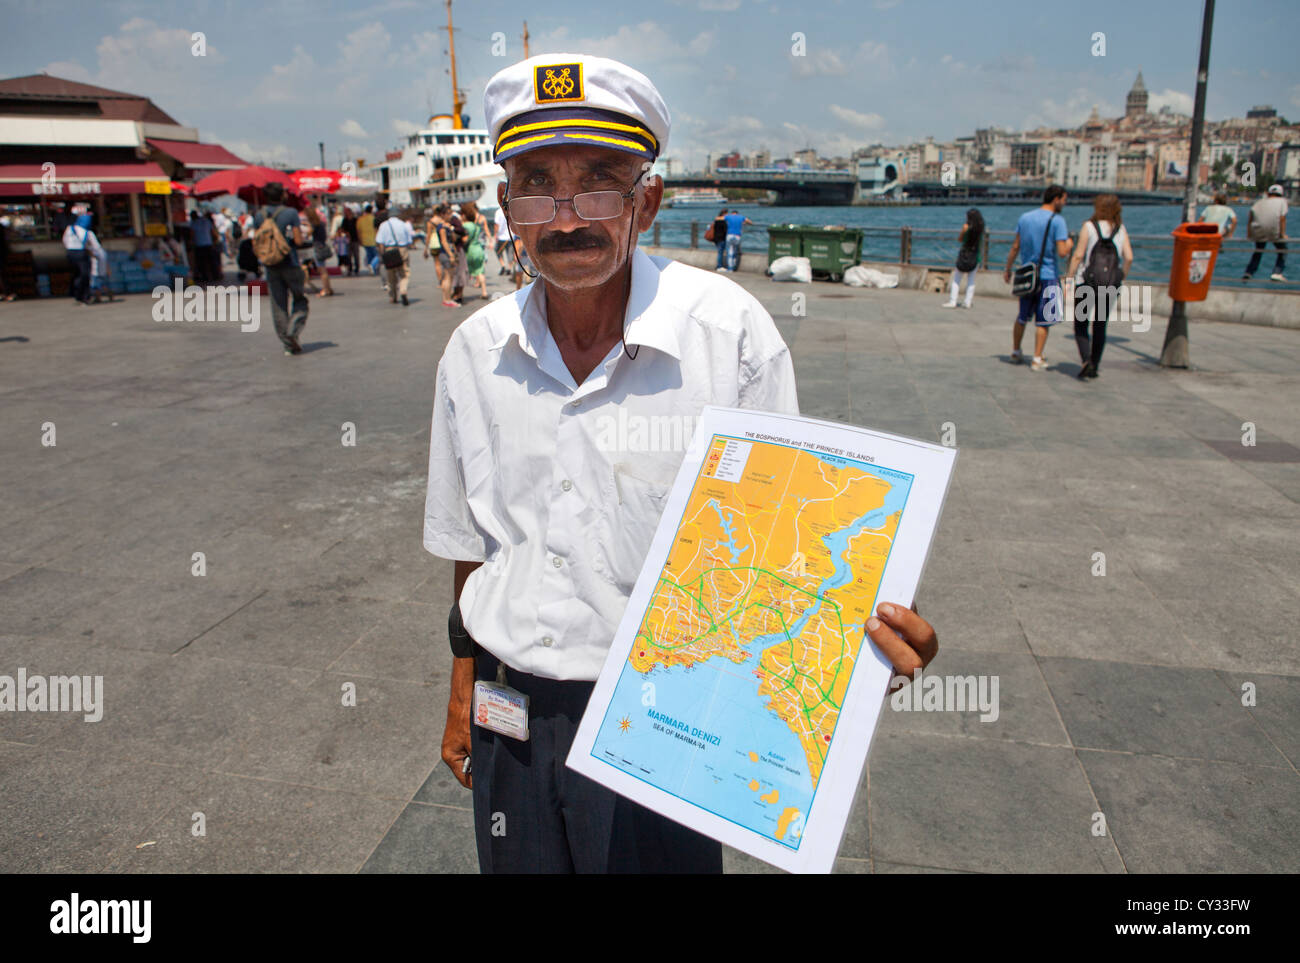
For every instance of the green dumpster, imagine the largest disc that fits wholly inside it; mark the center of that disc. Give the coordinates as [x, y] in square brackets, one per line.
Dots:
[784, 240]
[830, 250]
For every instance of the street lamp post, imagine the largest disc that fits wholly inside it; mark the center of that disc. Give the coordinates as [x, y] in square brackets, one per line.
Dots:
[1175, 353]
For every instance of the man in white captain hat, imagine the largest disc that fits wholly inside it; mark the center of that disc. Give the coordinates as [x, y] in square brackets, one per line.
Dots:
[547, 511]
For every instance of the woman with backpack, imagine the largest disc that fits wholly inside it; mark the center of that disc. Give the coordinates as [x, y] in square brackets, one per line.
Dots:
[968, 257]
[1100, 262]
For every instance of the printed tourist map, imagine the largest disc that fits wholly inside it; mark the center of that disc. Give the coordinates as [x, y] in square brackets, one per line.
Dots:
[731, 693]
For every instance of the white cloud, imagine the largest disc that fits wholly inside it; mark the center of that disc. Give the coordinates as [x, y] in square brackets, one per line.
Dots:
[404, 128]
[265, 154]
[351, 128]
[701, 44]
[856, 118]
[1175, 100]
[824, 64]
[366, 47]
[152, 61]
[289, 82]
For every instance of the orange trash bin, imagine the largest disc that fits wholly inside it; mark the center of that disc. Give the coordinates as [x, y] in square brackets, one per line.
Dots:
[1196, 248]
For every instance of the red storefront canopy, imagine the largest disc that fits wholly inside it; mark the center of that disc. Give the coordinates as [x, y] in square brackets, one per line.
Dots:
[198, 156]
[317, 181]
[78, 180]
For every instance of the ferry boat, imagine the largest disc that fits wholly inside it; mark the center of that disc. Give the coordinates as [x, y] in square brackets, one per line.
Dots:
[447, 162]
[443, 163]
[697, 197]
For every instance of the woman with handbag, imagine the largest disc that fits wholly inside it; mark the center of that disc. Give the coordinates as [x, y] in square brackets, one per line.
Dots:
[968, 258]
[717, 233]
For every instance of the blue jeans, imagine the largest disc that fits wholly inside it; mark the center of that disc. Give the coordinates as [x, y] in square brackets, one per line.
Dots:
[1279, 265]
[722, 253]
[733, 252]
[372, 258]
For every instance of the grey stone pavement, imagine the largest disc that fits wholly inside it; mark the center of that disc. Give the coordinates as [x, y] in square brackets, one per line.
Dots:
[1120, 694]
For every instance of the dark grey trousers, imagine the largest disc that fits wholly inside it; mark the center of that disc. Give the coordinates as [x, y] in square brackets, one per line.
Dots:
[534, 815]
[282, 282]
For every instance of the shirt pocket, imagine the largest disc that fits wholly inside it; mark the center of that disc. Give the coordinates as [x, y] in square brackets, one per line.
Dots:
[621, 539]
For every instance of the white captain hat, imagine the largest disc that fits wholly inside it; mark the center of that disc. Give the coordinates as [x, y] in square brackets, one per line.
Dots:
[564, 98]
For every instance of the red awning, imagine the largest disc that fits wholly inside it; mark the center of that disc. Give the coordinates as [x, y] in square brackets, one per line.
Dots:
[211, 157]
[75, 180]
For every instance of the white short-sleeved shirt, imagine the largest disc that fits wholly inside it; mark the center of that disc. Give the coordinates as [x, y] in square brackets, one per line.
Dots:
[502, 225]
[394, 232]
[558, 487]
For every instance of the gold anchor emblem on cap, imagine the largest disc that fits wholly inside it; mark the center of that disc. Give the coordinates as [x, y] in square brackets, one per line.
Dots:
[560, 86]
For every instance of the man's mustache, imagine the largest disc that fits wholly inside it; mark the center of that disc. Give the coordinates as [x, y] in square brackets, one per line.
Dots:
[571, 241]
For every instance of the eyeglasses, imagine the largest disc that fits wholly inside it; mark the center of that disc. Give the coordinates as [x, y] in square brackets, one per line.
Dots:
[591, 206]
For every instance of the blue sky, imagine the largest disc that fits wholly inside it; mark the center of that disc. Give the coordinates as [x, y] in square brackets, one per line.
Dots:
[280, 76]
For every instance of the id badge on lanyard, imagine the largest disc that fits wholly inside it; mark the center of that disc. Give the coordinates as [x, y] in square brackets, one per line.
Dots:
[501, 709]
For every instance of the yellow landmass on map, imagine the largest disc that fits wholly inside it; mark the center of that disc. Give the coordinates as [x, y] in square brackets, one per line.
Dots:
[753, 785]
[748, 561]
[771, 797]
[783, 823]
[753, 757]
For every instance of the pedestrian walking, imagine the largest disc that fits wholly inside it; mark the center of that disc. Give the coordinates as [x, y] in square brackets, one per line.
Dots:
[459, 263]
[366, 237]
[207, 262]
[969, 257]
[717, 233]
[1100, 262]
[395, 238]
[502, 247]
[735, 228]
[446, 254]
[82, 246]
[1267, 223]
[476, 229]
[353, 238]
[1038, 283]
[277, 250]
[319, 254]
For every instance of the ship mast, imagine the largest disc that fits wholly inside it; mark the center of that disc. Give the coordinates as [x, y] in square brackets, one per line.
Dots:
[457, 104]
[525, 39]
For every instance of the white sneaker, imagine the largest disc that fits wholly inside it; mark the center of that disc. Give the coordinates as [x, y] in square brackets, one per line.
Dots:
[1276, 276]
[1038, 364]
[948, 304]
[966, 304]
[720, 270]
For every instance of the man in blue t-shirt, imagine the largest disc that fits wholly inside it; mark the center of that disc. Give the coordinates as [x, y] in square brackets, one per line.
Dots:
[1047, 306]
[735, 226]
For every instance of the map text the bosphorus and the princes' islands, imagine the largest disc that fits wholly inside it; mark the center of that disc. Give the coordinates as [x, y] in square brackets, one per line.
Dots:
[777, 581]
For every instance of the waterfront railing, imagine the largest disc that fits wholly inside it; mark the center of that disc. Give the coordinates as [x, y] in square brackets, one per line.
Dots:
[937, 248]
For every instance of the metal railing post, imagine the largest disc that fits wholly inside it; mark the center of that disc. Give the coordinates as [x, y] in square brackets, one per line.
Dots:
[695, 234]
[656, 234]
[905, 245]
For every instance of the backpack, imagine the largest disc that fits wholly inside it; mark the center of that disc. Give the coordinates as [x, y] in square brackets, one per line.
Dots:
[246, 259]
[269, 243]
[1103, 270]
